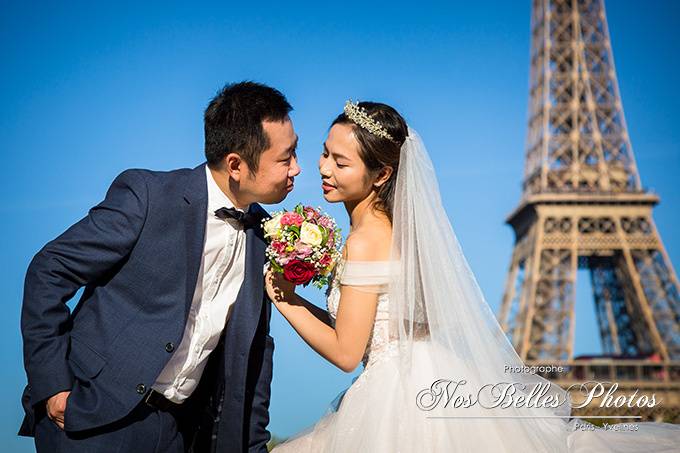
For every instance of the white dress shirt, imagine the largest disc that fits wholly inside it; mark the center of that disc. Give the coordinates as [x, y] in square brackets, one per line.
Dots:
[219, 279]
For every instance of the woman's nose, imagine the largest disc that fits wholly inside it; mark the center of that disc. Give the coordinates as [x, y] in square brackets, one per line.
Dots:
[324, 170]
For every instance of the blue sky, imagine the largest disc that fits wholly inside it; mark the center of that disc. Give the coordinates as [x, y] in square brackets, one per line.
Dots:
[89, 90]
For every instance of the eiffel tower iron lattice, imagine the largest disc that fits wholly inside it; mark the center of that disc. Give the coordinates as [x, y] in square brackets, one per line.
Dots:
[583, 205]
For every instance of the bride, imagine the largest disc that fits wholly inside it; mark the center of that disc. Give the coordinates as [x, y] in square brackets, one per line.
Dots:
[439, 373]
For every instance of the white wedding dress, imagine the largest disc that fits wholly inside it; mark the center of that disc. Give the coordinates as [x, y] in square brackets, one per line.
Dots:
[376, 415]
[433, 323]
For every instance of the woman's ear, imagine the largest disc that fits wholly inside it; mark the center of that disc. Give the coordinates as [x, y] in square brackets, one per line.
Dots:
[383, 176]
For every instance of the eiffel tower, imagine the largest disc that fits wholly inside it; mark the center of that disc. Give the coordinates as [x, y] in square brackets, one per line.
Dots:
[583, 207]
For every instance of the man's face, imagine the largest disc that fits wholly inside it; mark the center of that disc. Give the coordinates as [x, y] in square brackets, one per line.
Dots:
[278, 165]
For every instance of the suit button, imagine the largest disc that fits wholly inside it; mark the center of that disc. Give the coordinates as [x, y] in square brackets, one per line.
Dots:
[169, 347]
[141, 389]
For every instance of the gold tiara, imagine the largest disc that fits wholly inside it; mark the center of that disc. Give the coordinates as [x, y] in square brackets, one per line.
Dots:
[359, 116]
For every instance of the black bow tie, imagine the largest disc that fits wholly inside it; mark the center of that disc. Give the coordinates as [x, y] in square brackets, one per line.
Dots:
[245, 219]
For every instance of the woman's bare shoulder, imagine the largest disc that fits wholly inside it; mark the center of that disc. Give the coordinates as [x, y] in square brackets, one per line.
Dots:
[371, 243]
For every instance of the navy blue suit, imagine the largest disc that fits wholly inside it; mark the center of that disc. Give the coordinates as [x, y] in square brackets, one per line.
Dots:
[138, 254]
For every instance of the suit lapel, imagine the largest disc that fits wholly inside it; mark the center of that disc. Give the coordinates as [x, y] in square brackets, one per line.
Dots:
[253, 279]
[196, 198]
[248, 301]
[248, 306]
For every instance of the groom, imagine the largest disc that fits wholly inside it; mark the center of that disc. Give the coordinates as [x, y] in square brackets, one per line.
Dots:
[168, 348]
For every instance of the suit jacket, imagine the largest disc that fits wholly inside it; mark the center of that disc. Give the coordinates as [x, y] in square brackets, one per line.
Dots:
[138, 255]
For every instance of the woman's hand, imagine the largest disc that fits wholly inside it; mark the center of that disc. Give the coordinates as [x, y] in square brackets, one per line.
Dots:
[278, 288]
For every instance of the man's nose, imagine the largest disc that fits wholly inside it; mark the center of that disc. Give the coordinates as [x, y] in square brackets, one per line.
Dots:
[295, 168]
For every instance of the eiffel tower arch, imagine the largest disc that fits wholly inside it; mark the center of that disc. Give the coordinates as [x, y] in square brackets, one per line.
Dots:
[583, 207]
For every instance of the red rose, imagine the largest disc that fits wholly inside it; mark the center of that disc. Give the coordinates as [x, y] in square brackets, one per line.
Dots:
[299, 272]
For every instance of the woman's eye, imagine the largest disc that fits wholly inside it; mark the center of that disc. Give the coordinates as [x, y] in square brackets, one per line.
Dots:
[341, 165]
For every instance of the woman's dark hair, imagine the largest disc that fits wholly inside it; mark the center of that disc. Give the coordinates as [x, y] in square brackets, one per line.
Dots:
[233, 121]
[378, 152]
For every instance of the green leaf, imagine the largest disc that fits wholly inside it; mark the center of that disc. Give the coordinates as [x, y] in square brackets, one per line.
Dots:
[320, 282]
[276, 266]
[324, 234]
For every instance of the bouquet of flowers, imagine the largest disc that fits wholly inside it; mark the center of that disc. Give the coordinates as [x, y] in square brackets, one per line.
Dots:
[304, 245]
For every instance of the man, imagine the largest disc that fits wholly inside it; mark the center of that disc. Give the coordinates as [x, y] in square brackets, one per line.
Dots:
[168, 348]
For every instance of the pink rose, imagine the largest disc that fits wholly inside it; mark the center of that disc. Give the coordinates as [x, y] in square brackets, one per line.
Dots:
[292, 218]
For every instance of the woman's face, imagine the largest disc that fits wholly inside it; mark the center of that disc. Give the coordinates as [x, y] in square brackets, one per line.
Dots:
[344, 175]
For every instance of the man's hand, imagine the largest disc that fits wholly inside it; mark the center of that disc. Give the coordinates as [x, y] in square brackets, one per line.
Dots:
[56, 405]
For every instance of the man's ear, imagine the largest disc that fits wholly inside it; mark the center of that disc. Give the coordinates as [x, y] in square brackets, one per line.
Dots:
[234, 166]
[383, 176]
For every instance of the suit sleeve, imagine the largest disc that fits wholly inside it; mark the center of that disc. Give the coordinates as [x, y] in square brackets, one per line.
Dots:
[81, 255]
[259, 415]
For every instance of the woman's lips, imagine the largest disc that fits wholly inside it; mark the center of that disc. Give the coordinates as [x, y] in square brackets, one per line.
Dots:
[326, 187]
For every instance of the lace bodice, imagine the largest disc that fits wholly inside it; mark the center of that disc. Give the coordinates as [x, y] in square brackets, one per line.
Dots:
[373, 276]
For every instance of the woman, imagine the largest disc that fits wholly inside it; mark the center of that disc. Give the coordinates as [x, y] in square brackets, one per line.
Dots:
[404, 302]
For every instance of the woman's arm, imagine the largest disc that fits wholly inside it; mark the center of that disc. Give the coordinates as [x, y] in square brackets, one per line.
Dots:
[343, 346]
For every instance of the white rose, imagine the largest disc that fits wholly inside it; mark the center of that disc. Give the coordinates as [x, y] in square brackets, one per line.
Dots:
[310, 234]
[272, 227]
